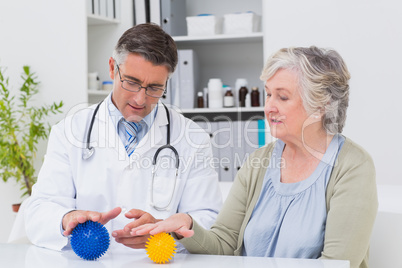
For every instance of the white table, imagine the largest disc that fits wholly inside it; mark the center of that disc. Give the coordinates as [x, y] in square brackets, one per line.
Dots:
[386, 239]
[24, 255]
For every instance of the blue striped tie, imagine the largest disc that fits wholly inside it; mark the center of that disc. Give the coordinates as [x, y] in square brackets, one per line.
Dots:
[132, 130]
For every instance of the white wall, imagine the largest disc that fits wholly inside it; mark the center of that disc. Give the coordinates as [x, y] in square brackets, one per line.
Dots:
[51, 37]
[368, 35]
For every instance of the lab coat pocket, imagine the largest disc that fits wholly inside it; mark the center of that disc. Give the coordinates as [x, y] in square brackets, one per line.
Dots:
[164, 184]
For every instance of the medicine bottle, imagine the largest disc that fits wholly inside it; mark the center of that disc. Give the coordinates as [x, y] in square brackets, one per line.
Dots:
[228, 99]
[240, 82]
[255, 97]
[107, 85]
[215, 94]
[242, 96]
[200, 100]
[248, 101]
[93, 81]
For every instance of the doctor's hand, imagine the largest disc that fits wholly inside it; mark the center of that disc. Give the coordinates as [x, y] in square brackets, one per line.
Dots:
[73, 218]
[134, 241]
[180, 224]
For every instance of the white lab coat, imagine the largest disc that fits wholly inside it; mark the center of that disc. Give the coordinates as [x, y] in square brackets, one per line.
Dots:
[110, 178]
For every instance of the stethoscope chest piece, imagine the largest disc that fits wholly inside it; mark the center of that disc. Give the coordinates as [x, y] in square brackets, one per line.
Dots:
[87, 153]
[89, 150]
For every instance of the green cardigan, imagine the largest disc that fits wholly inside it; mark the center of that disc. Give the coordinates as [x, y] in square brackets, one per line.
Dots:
[351, 200]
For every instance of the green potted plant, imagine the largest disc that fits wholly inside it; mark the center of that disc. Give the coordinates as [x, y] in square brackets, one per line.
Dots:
[22, 126]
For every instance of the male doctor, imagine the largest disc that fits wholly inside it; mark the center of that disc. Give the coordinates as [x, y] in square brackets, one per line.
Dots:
[112, 179]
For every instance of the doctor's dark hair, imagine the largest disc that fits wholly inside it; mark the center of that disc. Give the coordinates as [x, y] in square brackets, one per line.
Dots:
[323, 81]
[149, 41]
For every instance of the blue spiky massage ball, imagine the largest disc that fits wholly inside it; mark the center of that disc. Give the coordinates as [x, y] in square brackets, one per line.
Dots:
[90, 240]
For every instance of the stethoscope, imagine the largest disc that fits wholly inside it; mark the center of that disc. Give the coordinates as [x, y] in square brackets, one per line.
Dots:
[89, 151]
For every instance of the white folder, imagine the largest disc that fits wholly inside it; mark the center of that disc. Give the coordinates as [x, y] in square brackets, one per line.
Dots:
[172, 96]
[225, 147]
[211, 128]
[140, 12]
[155, 11]
[173, 17]
[102, 8]
[111, 9]
[238, 147]
[187, 67]
[96, 7]
[117, 9]
[89, 7]
[250, 138]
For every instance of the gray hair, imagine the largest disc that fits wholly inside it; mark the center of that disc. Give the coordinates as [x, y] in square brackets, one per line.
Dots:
[323, 81]
[151, 42]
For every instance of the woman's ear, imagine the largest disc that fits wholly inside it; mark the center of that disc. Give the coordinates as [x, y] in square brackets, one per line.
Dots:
[319, 113]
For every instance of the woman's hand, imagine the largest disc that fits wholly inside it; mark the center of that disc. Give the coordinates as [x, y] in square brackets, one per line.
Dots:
[180, 224]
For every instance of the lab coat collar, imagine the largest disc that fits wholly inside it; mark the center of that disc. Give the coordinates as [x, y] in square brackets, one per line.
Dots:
[154, 137]
[108, 135]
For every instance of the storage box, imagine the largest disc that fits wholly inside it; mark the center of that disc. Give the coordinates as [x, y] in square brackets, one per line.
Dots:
[241, 23]
[204, 25]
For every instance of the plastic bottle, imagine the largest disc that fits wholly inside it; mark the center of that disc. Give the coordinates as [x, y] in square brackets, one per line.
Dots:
[215, 95]
[107, 85]
[255, 97]
[200, 100]
[206, 105]
[248, 100]
[242, 96]
[228, 99]
[93, 81]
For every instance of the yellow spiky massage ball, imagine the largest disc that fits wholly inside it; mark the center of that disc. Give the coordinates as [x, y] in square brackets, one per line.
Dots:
[161, 248]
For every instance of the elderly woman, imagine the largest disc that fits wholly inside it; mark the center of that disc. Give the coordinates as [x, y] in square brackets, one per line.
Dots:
[312, 192]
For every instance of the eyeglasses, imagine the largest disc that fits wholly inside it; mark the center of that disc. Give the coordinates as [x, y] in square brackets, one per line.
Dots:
[129, 85]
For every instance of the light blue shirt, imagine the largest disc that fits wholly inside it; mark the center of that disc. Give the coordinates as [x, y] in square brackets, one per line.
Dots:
[289, 219]
[116, 116]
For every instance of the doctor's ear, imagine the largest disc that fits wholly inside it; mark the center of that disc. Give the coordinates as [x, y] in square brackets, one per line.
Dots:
[111, 68]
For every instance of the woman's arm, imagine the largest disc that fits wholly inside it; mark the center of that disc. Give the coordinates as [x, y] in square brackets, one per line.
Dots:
[352, 208]
[220, 240]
